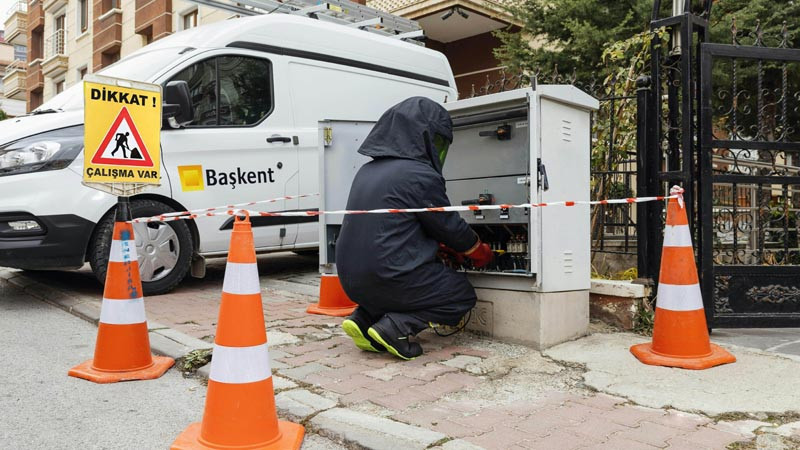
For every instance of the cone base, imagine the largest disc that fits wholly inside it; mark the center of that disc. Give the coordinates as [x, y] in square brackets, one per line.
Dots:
[718, 356]
[85, 370]
[291, 437]
[336, 311]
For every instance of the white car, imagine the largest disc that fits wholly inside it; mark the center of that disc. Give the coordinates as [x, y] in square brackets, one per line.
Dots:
[257, 87]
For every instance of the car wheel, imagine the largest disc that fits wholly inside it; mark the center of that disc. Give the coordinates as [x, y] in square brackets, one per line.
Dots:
[164, 249]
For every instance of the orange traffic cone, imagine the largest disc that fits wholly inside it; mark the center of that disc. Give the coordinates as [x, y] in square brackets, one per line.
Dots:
[240, 402]
[333, 301]
[680, 334]
[122, 351]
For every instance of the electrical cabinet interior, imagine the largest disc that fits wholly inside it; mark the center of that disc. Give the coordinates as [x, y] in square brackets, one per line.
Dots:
[509, 148]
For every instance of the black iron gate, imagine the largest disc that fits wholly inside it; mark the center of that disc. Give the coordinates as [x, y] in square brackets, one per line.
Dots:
[723, 120]
[750, 183]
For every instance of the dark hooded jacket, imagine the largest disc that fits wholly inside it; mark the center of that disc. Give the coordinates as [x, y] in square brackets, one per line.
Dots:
[399, 250]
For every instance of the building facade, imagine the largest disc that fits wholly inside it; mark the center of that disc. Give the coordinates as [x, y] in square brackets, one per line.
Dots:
[67, 39]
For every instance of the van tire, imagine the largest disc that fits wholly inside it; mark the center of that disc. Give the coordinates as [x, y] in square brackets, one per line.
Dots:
[101, 242]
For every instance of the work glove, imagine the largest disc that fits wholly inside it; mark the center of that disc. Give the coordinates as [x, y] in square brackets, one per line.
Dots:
[447, 254]
[481, 255]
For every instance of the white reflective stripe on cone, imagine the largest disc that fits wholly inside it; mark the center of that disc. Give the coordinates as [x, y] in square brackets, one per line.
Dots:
[123, 312]
[123, 251]
[677, 236]
[676, 297]
[239, 365]
[241, 278]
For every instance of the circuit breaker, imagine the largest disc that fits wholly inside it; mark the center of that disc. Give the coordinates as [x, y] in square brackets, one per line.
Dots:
[509, 148]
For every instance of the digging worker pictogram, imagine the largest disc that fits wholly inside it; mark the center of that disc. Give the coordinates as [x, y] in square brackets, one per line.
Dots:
[387, 262]
[122, 143]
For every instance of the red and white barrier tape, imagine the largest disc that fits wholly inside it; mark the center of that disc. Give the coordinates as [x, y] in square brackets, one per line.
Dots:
[198, 212]
[231, 211]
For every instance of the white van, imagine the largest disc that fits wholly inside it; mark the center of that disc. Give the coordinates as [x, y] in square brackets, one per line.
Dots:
[257, 87]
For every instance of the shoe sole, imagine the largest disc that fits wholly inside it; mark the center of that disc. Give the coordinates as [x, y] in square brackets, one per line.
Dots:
[352, 330]
[374, 335]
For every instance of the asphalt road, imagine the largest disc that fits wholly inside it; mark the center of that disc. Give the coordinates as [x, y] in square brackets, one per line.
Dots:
[42, 408]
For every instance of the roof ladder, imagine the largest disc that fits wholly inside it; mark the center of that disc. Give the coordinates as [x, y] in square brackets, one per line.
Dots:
[343, 12]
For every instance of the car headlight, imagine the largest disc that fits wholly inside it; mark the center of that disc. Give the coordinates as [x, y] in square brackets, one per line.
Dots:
[52, 150]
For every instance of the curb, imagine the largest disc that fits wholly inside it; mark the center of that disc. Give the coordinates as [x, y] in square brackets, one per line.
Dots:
[163, 340]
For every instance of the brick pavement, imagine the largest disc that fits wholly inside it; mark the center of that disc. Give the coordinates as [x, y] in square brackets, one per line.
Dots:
[464, 392]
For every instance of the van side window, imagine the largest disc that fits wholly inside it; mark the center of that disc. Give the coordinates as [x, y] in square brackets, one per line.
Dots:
[245, 90]
[229, 90]
[202, 80]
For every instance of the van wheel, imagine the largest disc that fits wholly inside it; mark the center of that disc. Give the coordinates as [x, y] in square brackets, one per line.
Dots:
[164, 249]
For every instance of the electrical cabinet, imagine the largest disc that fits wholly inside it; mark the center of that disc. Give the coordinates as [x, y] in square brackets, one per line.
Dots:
[516, 147]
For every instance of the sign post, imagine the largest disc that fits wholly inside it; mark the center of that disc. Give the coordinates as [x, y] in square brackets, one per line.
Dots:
[122, 132]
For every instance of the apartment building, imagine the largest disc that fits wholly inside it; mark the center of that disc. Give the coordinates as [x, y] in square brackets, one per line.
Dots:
[67, 39]
[13, 55]
[463, 31]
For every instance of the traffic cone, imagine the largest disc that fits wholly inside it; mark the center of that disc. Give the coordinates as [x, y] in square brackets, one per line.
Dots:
[240, 402]
[122, 352]
[680, 334]
[333, 301]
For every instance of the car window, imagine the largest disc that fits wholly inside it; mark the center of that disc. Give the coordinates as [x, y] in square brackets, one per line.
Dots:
[229, 90]
[245, 90]
[202, 80]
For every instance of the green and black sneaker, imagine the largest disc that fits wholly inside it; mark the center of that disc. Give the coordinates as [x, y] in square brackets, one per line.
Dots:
[355, 327]
[387, 335]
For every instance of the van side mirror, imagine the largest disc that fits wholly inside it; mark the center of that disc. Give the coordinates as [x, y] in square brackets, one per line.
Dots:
[177, 109]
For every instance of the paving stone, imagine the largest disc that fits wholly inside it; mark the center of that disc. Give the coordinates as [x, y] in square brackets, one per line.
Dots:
[372, 432]
[358, 396]
[632, 415]
[745, 428]
[458, 444]
[297, 404]
[560, 440]
[710, 437]
[455, 430]
[789, 430]
[617, 443]
[447, 383]
[385, 373]
[651, 434]
[276, 338]
[317, 442]
[680, 419]
[282, 383]
[425, 417]
[430, 372]
[485, 420]
[543, 424]
[462, 361]
[402, 400]
[299, 373]
[596, 426]
[599, 401]
[501, 438]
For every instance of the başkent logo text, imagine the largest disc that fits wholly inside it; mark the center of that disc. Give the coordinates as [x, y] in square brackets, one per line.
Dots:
[215, 178]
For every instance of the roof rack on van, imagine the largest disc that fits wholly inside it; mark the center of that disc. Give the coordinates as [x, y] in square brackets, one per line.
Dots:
[343, 12]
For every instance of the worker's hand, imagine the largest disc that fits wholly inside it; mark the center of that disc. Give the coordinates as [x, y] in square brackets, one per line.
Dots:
[446, 253]
[480, 254]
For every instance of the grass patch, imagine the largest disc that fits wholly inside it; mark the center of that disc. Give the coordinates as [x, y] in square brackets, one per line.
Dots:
[645, 317]
[195, 360]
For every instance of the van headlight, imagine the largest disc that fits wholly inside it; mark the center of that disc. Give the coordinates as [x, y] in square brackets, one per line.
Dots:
[52, 150]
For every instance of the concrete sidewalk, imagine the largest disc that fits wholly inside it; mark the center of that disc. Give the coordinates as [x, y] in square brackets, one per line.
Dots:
[470, 392]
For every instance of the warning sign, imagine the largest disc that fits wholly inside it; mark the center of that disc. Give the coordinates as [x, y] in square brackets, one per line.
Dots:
[122, 134]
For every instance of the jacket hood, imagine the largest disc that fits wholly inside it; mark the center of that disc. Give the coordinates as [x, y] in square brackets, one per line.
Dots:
[406, 131]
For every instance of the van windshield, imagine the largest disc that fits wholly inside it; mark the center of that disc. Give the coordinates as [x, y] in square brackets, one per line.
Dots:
[140, 66]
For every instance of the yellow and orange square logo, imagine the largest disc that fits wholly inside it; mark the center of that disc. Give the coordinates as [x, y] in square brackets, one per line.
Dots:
[191, 178]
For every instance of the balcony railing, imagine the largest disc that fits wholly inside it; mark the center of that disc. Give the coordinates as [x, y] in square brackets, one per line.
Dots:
[55, 44]
[18, 6]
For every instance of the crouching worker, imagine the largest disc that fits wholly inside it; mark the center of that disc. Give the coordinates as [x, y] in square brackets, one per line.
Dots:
[387, 262]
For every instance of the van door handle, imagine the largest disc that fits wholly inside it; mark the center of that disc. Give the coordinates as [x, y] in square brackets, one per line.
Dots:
[277, 138]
